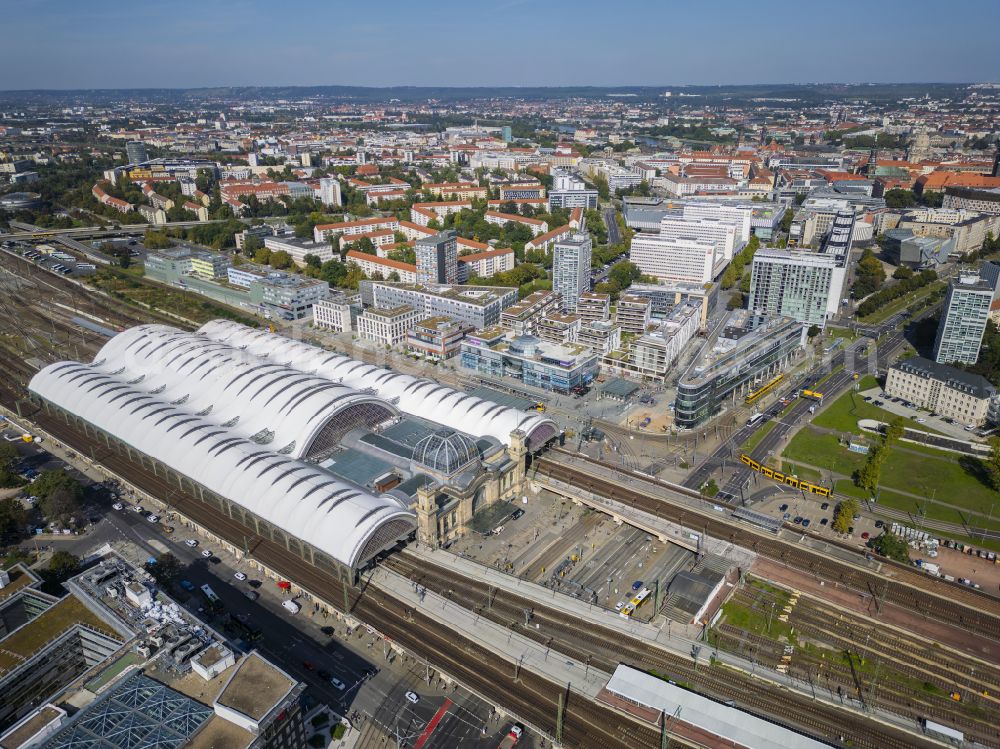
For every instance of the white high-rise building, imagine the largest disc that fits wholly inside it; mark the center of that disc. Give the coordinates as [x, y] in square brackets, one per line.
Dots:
[676, 258]
[571, 268]
[329, 191]
[717, 231]
[963, 322]
[739, 216]
[437, 258]
[793, 284]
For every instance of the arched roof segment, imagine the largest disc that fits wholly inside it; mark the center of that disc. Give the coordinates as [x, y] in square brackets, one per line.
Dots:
[257, 398]
[413, 395]
[334, 516]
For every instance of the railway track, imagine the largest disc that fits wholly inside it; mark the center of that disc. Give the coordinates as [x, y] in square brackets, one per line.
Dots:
[531, 697]
[930, 597]
[604, 648]
[874, 663]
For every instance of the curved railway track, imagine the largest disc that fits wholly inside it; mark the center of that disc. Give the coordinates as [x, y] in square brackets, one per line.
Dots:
[935, 598]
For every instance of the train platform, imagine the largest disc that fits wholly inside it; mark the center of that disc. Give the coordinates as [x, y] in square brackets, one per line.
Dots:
[674, 637]
[522, 652]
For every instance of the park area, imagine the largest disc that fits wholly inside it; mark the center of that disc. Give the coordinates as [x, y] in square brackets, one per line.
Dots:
[916, 479]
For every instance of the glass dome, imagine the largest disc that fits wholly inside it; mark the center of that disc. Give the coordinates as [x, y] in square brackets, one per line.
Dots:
[445, 451]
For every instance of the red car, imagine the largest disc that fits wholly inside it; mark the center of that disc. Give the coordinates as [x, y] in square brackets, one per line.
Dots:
[864, 535]
[309, 665]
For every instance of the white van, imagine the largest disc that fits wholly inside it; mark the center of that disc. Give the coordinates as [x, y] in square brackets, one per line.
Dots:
[291, 606]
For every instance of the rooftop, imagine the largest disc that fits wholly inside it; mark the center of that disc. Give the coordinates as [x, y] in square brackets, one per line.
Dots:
[255, 687]
[481, 295]
[32, 638]
[20, 577]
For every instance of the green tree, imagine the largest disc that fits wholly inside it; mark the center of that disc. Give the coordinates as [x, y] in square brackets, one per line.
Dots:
[166, 569]
[894, 431]
[281, 260]
[13, 520]
[252, 244]
[890, 545]
[710, 488]
[843, 514]
[63, 565]
[262, 256]
[898, 198]
[729, 277]
[814, 330]
[155, 240]
[52, 480]
[312, 261]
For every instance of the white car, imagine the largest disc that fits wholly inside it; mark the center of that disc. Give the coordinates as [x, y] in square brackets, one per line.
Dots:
[239, 576]
[138, 508]
[619, 605]
[341, 686]
[206, 553]
[153, 518]
[118, 506]
[412, 697]
[192, 542]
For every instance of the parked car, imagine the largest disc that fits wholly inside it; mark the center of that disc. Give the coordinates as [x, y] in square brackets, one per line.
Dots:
[797, 520]
[783, 508]
[253, 595]
[805, 522]
[206, 553]
[637, 585]
[153, 518]
[118, 506]
[240, 576]
[138, 509]
[187, 585]
[192, 542]
[865, 535]
[412, 697]
[824, 521]
[339, 685]
[824, 506]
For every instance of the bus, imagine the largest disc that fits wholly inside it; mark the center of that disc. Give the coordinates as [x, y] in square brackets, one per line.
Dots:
[629, 608]
[755, 419]
[213, 600]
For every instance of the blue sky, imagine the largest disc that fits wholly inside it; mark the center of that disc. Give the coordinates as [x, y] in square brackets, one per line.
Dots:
[191, 43]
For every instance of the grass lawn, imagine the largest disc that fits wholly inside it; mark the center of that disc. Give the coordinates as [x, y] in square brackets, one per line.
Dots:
[843, 414]
[950, 478]
[809, 474]
[757, 436]
[824, 451]
[846, 333]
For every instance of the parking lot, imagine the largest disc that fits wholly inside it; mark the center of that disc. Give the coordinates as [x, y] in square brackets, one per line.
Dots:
[920, 417]
[53, 257]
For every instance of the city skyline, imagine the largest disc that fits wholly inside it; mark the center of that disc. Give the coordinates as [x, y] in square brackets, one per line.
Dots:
[512, 43]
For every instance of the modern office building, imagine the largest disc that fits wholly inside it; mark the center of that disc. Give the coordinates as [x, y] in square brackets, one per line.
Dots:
[963, 320]
[135, 151]
[478, 306]
[951, 392]
[676, 259]
[437, 337]
[337, 313]
[169, 265]
[287, 295]
[839, 241]
[437, 258]
[793, 284]
[749, 350]
[569, 191]
[548, 366]
[720, 232]
[386, 326]
[903, 247]
[571, 268]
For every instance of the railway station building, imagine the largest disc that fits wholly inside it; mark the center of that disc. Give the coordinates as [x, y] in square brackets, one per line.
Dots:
[330, 457]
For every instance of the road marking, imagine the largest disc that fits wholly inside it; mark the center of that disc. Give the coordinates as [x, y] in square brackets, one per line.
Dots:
[432, 724]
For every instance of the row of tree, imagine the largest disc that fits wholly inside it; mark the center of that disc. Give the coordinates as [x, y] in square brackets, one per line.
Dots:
[902, 288]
